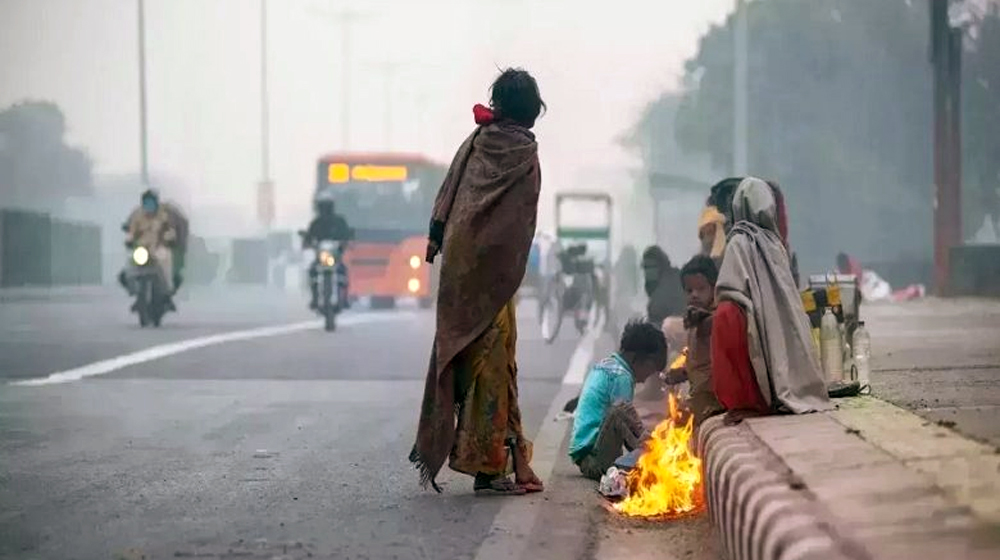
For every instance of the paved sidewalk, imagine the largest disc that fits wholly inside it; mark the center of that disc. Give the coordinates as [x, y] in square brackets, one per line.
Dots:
[941, 360]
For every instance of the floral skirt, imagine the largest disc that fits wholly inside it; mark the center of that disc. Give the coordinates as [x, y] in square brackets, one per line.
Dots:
[489, 419]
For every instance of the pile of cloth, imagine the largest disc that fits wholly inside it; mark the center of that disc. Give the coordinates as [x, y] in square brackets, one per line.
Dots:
[873, 287]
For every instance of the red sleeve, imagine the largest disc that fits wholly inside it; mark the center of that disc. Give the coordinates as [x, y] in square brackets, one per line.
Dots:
[733, 379]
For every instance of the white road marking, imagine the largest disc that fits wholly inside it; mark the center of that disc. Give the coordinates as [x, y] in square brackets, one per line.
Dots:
[582, 357]
[163, 350]
[512, 527]
[579, 363]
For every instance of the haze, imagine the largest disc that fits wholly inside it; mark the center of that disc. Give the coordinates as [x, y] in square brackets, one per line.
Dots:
[597, 69]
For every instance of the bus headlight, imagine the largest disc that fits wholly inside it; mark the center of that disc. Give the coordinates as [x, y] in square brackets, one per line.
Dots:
[414, 262]
[140, 256]
[327, 259]
[413, 285]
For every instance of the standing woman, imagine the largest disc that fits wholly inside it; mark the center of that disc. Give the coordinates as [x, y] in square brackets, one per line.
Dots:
[483, 222]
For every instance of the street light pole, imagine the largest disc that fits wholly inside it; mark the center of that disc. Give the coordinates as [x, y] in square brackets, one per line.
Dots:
[265, 149]
[143, 132]
[265, 189]
[421, 106]
[389, 75]
[345, 19]
[740, 43]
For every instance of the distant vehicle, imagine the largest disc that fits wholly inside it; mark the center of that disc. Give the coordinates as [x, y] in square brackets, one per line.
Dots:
[145, 281]
[542, 264]
[580, 284]
[386, 198]
[573, 290]
[332, 280]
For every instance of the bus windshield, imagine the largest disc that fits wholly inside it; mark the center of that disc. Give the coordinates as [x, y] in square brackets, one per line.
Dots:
[368, 202]
[379, 205]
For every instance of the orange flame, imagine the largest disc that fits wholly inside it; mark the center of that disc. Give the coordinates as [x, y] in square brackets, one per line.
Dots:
[666, 481]
[681, 359]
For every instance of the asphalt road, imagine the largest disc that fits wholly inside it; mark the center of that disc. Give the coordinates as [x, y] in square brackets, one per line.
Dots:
[290, 445]
[294, 445]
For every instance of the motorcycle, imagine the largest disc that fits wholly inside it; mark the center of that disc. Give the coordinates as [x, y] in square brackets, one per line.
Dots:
[572, 289]
[144, 280]
[332, 279]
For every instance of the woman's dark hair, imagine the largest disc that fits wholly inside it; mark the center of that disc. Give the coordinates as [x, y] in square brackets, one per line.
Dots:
[514, 96]
[843, 262]
[701, 264]
[645, 340]
[721, 196]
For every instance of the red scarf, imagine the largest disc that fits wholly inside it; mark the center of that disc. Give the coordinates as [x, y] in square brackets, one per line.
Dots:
[483, 114]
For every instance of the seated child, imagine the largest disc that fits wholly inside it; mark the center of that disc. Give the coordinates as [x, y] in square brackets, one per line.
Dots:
[698, 277]
[606, 420]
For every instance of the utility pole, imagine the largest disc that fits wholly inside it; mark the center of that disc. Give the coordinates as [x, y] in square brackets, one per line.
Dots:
[421, 105]
[265, 189]
[740, 85]
[946, 59]
[388, 70]
[143, 132]
[265, 152]
[344, 18]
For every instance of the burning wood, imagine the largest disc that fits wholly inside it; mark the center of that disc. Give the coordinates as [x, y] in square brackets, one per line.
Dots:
[666, 482]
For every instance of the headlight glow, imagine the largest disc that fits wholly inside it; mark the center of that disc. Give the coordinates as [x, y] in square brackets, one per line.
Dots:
[327, 259]
[413, 285]
[414, 262]
[140, 256]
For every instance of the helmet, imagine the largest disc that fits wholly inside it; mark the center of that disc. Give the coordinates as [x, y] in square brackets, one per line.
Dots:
[324, 202]
[150, 201]
[150, 193]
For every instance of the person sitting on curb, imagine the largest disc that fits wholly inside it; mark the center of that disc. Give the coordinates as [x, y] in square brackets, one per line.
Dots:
[763, 358]
[606, 420]
[698, 276]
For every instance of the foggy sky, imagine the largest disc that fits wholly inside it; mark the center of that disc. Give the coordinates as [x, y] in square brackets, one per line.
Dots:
[597, 64]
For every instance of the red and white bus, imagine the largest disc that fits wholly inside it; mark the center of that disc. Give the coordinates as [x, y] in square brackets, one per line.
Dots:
[387, 199]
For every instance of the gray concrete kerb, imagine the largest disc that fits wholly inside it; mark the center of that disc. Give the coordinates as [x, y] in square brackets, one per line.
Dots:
[868, 480]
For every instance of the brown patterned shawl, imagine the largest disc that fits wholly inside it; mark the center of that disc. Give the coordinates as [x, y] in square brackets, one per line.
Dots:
[487, 207]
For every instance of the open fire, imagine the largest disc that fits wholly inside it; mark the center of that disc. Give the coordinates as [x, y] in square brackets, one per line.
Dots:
[666, 481]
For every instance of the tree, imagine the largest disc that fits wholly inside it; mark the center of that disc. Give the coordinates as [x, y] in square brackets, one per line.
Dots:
[37, 168]
[840, 114]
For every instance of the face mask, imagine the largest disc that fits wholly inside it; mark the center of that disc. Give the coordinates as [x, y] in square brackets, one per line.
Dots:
[149, 206]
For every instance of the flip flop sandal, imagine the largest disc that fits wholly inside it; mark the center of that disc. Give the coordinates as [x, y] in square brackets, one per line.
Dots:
[501, 486]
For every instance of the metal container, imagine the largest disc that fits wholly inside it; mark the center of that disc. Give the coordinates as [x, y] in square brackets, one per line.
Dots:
[850, 293]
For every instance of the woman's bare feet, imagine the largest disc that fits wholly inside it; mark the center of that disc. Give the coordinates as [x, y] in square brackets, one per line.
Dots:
[524, 476]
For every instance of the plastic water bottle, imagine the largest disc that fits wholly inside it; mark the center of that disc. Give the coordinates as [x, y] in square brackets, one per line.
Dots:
[862, 354]
[831, 347]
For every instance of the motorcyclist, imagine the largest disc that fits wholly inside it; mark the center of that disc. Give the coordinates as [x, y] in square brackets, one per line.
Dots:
[179, 247]
[151, 227]
[326, 226]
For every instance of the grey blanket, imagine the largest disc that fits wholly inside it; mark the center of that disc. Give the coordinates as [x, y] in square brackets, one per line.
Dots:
[756, 275]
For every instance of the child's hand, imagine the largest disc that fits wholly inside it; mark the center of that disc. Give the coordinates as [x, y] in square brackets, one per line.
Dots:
[674, 376]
